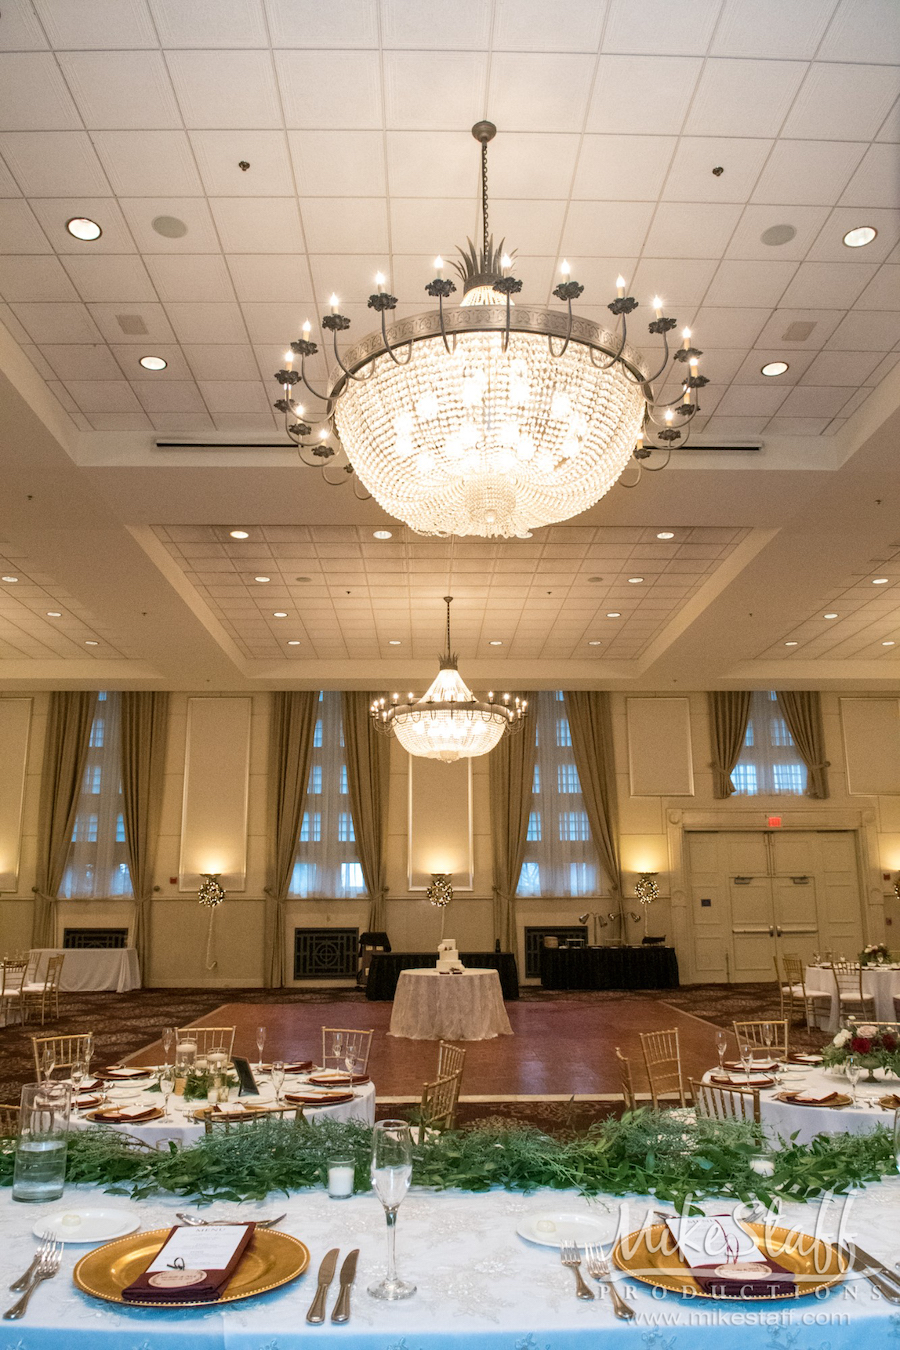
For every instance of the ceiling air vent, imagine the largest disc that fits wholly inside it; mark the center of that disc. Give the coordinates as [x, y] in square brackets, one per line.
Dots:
[719, 449]
[132, 324]
[799, 331]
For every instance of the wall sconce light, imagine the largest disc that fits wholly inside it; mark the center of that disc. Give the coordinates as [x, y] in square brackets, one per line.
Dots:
[211, 893]
[598, 920]
[439, 894]
[645, 891]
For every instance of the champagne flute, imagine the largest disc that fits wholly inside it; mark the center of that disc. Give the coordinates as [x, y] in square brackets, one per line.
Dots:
[167, 1085]
[168, 1040]
[260, 1042]
[77, 1074]
[746, 1055]
[87, 1052]
[768, 1035]
[391, 1176]
[277, 1076]
[337, 1046]
[853, 1070]
[48, 1061]
[721, 1047]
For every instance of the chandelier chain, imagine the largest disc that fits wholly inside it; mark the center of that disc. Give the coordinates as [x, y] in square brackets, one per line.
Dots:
[484, 201]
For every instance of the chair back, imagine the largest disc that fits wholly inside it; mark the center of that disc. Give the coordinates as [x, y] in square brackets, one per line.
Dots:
[793, 969]
[754, 1032]
[54, 972]
[213, 1123]
[451, 1059]
[848, 981]
[717, 1102]
[627, 1080]
[339, 1044]
[9, 1120]
[438, 1106]
[662, 1060]
[207, 1038]
[12, 977]
[66, 1050]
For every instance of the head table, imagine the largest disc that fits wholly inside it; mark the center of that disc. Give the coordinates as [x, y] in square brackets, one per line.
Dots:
[480, 1286]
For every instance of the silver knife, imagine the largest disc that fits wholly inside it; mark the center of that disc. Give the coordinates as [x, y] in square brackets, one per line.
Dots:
[878, 1266]
[348, 1275]
[316, 1312]
[856, 1261]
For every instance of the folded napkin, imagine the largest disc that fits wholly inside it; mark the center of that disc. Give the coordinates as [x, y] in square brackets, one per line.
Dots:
[726, 1261]
[193, 1265]
[333, 1078]
[812, 1098]
[758, 1065]
[230, 1109]
[806, 1059]
[115, 1114]
[115, 1072]
[741, 1080]
[312, 1096]
[298, 1066]
[760, 1277]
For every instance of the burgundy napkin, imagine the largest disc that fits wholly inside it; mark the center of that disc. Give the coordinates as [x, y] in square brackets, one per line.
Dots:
[756, 1277]
[176, 1284]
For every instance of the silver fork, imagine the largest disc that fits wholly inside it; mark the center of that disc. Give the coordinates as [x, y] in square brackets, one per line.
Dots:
[47, 1268]
[568, 1254]
[194, 1222]
[24, 1281]
[598, 1269]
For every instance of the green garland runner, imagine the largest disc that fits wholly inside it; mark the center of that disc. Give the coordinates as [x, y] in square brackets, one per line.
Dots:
[646, 1152]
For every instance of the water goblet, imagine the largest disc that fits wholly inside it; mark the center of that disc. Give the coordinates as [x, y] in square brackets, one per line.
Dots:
[260, 1042]
[721, 1047]
[167, 1085]
[278, 1079]
[391, 1176]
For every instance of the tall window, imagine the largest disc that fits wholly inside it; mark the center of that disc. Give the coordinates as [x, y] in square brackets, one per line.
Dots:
[560, 858]
[769, 761]
[97, 866]
[327, 863]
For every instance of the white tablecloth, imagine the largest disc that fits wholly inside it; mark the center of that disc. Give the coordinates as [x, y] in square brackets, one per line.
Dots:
[878, 982]
[781, 1119]
[91, 968]
[479, 1285]
[466, 1007]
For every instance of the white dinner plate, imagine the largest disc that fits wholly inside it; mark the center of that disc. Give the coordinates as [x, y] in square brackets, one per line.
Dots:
[552, 1227]
[95, 1223]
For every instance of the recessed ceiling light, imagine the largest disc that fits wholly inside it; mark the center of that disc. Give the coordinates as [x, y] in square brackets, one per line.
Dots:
[393, 642]
[495, 643]
[595, 642]
[82, 228]
[239, 534]
[614, 614]
[880, 581]
[888, 644]
[10, 579]
[635, 581]
[860, 236]
[829, 616]
[790, 644]
[279, 614]
[53, 614]
[666, 534]
[261, 579]
[293, 642]
[382, 534]
[775, 368]
[153, 363]
[89, 643]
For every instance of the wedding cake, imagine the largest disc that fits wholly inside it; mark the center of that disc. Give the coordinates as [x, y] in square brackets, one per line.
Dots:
[448, 958]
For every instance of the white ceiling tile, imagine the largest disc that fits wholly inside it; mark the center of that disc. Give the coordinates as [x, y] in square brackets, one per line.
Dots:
[750, 401]
[220, 154]
[258, 224]
[841, 368]
[148, 163]
[347, 163]
[607, 162]
[225, 88]
[885, 367]
[190, 276]
[34, 355]
[685, 230]
[728, 327]
[808, 400]
[825, 321]
[12, 325]
[530, 227]
[660, 29]
[883, 291]
[120, 421]
[20, 30]
[345, 224]
[182, 424]
[81, 362]
[618, 228]
[246, 422]
[865, 331]
[230, 396]
[121, 90]
[830, 247]
[463, 26]
[842, 102]
[357, 75]
[808, 173]
[54, 163]
[60, 392]
[19, 230]
[435, 90]
[200, 322]
[170, 396]
[750, 370]
[103, 396]
[429, 164]
[427, 225]
[743, 98]
[680, 282]
[56, 323]
[521, 25]
[863, 30]
[193, 212]
[876, 181]
[53, 213]
[129, 359]
[546, 92]
[527, 164]
[210, 23]
[8, 185]
[352, 277]
[691, 176]
[768, 28]
[719, 365]
[890, 130]
[89, 24]
[309, 23]
[34, 278]
[113, 277]
[33, 94]
[270, 277]
[747, 242]
[797, 426]
[222, 362]
[837, 285]
[107, 318]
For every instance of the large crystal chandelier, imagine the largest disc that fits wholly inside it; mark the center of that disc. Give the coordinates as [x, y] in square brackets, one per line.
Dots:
[493, 417]
[448, 722]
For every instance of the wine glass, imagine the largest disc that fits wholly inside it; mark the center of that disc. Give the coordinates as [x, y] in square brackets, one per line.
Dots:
[77, 1073]
[167, 1085]
[747, 1055]
[260, 1042]
[48, 1061]
[391, 1175]
[721, 1047]
[853, 1069]
[337, 1046]
[168, 1040]
[277, 1075]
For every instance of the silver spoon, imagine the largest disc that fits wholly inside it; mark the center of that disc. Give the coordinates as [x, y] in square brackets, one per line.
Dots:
[193, 1222]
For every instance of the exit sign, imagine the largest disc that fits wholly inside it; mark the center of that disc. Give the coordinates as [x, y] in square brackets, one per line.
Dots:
[774, 822]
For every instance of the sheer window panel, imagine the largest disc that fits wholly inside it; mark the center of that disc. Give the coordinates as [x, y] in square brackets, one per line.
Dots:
[560, 858]
[97, 865]
[327, 865]
[769, 762]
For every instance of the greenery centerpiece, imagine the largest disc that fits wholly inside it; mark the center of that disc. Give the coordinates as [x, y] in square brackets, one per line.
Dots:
[197, 1084]
[876, 954]
[874, 1047]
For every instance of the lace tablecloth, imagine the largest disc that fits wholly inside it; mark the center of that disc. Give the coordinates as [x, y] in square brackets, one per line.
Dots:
[91, 968]
[480, 1286]
[466, 1007]
[880, 983]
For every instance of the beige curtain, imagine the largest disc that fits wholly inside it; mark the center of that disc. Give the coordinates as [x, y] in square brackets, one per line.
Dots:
[802, 710]
[65, 755]
[290, 752]
[144, 722]
[590, 725]
[728, 713]
[368, 770]
[511, 782]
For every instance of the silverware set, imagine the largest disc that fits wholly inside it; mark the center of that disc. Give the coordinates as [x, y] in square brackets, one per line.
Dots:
[193, 1222]
[341, 1311]
[45, 1265]
[598, 1268]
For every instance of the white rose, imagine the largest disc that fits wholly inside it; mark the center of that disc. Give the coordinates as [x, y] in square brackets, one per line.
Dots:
[841, 1038]
[867, 1031]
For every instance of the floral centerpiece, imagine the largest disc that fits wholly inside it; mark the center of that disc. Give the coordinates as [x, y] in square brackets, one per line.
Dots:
[871, 1046]
[874, 955]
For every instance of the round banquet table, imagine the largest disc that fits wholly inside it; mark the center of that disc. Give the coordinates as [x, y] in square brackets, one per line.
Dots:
[782, 1119]
[183, 1129]
[881, 983]
[466, 1007]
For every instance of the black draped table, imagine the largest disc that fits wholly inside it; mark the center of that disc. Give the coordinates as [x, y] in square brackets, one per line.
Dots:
[384, 972]
[609, 968]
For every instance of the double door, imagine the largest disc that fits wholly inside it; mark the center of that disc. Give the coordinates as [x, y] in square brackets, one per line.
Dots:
[756, 894]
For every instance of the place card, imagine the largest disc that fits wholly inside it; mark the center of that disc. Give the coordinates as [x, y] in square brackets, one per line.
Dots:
[725, 1259]
[193, 1265]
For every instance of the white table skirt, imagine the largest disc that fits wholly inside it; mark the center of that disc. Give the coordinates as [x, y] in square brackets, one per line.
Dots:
[479, 1285]
[781, 1119]
[466, 1007]
[91, 968]
[878, 982]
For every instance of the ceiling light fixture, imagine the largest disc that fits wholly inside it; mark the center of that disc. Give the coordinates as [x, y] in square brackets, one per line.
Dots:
[774, 368]
[595, 642]
[448, 722]
[153, 363]
[279, 614]
[829, 616]
[888, 644]
[239, 534]
[666, 534]
[635, 581]
[89, 643]
[790, 644]
[382, 534]
[393, 642]
[495, 642]
[53, 614]
[880, 581]
[261, 580]
[614, 614]
[82, 228]
[10, 580]
[860, 236]
[489, 419]
[293, 642]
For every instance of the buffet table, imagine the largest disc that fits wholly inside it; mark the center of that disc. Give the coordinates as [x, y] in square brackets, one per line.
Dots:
[882, 983]
[90, 968]
[433, 1007]
[651, 967]
[384, 972]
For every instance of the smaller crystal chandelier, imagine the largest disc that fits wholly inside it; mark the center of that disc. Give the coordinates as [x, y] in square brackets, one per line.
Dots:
[211, 891]
[448, 722]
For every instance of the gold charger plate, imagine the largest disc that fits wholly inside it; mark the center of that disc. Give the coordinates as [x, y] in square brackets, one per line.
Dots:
[271, 1260]
[839, 1101]
[108, 1117]
[651, 1256]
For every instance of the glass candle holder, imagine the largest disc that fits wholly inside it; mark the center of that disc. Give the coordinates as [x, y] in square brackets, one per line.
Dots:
[340, 1178]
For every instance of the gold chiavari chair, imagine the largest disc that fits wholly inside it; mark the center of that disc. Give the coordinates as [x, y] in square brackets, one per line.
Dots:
[339, 1044]
[43, 994]
[754, 1032]
[793, 989]
[12, 977]
[662, 1060]
[9, 1120]
[717, 1102]
[216, 1124]
[437, 1109]
[451, 1059]
[848, 983]
[207, 1038]
[65, 1050]
[627, 1080]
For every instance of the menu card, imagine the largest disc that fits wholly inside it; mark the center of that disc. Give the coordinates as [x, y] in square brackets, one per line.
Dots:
[726, 1261]
[193, 1265]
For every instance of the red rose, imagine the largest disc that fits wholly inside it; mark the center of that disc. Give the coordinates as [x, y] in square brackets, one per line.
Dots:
[860, 1045]
[889, 1042]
